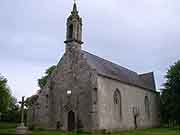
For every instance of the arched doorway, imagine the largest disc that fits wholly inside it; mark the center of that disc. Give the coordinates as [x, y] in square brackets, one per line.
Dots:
[71, 121]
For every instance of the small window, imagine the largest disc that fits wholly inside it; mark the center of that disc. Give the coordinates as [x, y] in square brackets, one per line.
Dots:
[117, 104]
[77, 31]
[69, 92]
[115, 99]
[70, 31]
[47, 99]
[95, 96]
[147, 107]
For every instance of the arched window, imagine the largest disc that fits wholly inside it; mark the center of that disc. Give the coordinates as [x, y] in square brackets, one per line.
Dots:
[117, 104]
[70, 31]
[147, 107]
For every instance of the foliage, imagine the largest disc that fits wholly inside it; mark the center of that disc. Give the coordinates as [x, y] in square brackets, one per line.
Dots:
[5, 125]
[44, 79]
[31, 100]
[8, 104]
[13, 113]
[5, 95]
[170, 97]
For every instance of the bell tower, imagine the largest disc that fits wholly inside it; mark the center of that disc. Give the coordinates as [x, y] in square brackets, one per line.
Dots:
[74, 30]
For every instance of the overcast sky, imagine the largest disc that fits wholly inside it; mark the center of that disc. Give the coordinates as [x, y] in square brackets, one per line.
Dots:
[142, 35]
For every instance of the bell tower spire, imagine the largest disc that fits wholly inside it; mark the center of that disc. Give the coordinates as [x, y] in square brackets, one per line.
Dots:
[74, 30]
[75, 7]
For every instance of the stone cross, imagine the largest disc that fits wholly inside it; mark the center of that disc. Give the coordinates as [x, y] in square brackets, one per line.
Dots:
[22, 111]
[22, 130]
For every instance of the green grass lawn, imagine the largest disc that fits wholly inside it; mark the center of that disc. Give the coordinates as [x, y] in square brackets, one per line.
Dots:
[9, 129]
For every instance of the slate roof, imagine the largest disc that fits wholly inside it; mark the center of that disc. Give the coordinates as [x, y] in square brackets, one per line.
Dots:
[117, 72]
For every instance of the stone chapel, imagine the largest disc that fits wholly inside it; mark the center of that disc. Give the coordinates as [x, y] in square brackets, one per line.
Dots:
[86, 92]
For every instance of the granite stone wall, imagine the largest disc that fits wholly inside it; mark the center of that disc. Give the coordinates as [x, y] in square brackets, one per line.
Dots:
[75, 75]
[132, 99]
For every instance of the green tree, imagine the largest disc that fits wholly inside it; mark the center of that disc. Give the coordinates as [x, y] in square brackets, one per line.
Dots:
[5, 95]
[8, 104]
[170, 97]
[13, 112]
[43, 80]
